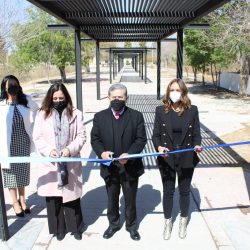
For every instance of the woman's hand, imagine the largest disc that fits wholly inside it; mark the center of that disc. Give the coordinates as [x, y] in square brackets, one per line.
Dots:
[198, 149]
[163, 150]
[54, 153]
[65, 152]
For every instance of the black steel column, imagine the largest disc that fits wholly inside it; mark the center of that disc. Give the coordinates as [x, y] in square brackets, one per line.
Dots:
[139, 63]
[113, 62]
[139, 58]
[179, 53]
[110, 66]
[119, 64]
[158, 70]
[78, 70]
[98, 94]
[145, 73]
[4, 230]
[142, 61]
[117, 61]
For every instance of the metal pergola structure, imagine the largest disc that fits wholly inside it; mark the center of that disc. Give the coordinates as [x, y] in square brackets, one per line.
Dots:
[127, 20]
[138, 56]
[121, 20]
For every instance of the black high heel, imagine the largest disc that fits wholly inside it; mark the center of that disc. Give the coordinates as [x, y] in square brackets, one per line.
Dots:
[21, 214]
[26, 210]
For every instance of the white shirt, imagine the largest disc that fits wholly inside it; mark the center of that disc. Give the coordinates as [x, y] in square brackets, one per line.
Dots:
[7, 112]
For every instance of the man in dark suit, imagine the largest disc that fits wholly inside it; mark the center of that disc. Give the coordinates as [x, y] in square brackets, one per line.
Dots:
[118, 131]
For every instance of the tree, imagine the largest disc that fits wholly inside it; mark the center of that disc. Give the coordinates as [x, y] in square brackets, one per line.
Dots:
[220, 59]
[42, 47]
[198, 51]
[64, 52]
[143, 44]
[3, 50]
[88, 53]
[10, 14]
[128, 45]
[231, 24]
[226, 41]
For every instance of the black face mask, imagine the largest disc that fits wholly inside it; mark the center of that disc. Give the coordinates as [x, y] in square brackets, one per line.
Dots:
[13, 90]
[117, 104]
[60, 106]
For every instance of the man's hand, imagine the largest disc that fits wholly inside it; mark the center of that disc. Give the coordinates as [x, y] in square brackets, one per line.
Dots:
[123, 161]
[54, 153]
[107, 155]
[163, 150]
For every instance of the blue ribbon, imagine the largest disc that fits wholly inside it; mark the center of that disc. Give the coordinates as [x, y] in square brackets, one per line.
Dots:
[34, 159]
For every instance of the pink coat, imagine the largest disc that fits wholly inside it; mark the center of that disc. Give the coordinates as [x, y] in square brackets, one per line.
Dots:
[44, 140]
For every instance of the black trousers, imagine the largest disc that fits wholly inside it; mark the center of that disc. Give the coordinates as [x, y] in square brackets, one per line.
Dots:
[129, 189]
[184, 183]
[63, 217]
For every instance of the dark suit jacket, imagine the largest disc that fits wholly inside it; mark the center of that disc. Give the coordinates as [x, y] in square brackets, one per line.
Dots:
[163, 136]
[132, 135]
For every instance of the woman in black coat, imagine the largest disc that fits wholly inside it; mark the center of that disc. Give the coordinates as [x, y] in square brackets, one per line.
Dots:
[176, 127]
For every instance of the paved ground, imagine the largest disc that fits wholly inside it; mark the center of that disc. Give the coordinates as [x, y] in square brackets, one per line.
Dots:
[220, 209]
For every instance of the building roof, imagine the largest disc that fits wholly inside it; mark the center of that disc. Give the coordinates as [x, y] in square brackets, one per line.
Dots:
[128, 20]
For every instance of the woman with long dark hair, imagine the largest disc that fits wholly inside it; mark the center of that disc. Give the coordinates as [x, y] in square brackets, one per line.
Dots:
[59, 132]
[176, 127]
[17, 113]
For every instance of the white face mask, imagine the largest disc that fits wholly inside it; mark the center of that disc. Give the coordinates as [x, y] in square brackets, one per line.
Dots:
[175, 96]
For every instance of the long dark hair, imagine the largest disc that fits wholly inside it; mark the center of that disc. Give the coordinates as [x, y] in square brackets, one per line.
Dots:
[185, 102]
[21, 97]
[47, 104]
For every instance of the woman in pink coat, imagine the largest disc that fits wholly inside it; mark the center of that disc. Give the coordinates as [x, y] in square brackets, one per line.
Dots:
[59, 132]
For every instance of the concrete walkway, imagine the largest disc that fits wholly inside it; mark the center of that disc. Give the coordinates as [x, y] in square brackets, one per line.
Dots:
[219, 211]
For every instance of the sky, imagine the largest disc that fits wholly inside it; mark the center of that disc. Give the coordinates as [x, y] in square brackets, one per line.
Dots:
[23, 3]
[16, 10]
[13, 10]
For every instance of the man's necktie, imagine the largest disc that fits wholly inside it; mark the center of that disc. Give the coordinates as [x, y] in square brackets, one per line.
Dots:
[117, 115]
